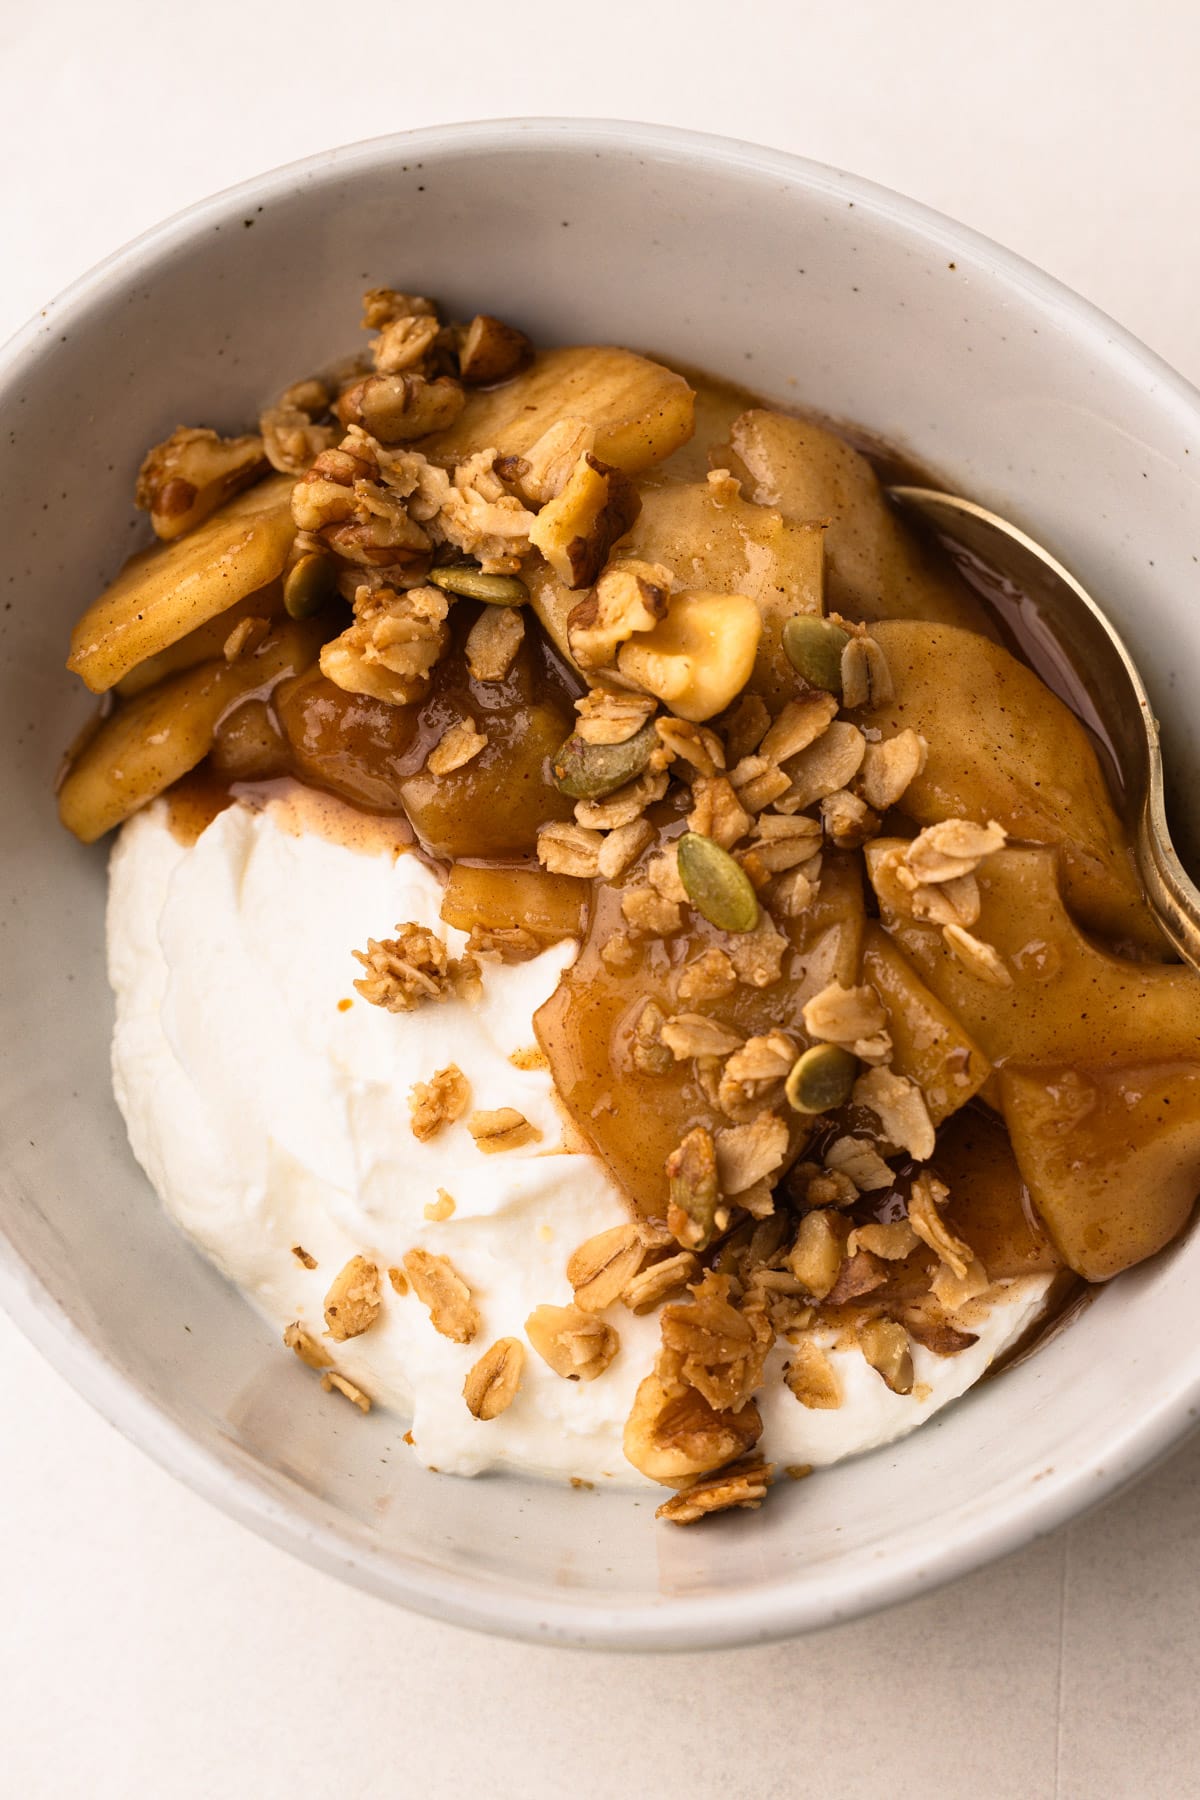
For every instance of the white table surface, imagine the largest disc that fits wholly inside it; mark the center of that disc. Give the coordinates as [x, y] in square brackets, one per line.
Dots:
[147, 1645]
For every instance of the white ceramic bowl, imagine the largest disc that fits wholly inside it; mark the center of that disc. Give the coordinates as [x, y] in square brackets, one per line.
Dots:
[813, 287]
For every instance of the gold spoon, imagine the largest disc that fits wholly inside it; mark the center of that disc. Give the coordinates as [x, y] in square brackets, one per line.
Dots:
[1066, 629]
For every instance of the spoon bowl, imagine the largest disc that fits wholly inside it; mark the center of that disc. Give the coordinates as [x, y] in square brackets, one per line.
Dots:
[1068, 636]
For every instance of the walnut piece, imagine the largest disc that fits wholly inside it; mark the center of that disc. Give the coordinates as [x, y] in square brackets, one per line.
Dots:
[647, 913]
[576, 1345]
[576, 530]
[671, 1436]
[354, 1299]
[629, 596]
[744, 1484]
[413, 967]
[710, 977]
[717, 812]
[456, 747]
[493, 1382]
[397, 409]
[544, 470]
[711, 1346]
[185, 478]
[885, 1345]
[502, 1129]
[438, 1285]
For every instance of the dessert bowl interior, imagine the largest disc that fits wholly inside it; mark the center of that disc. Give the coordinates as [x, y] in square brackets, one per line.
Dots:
[812, 288]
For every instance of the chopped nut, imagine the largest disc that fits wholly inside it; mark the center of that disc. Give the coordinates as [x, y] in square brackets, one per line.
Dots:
[398, 1280]
[952, 848]
[979, 959]
[928, 1326]
[547, 466]
[302, 1256]
[816, 1256]
[603, 1266]
[717, 812]
[710, 1346]
[810, 1377]
[889, 767]
[745, 1484]
[291, 440]
[493, 642]
[415, 966]
[866, 678]
[952, 1291]
[630, 596]
[623, 847]
[647, 1289]
[456, 747]
[893, 1242]
[439, 1210]
[492, 1383]
[670, 1436]
[332, 1381]
[753, 1077]
[492, 351]
[354, 1299]
[926, 1195]
[576, 530]
[618, 953]
[694, 1211]
[800, 724]
[662, 872]
[885, 1346]
[438, 1285]
[390, 650]
[502, 1129]
[899, 1105]
[647, 1052]
[397, 409]
[576, 1345]
[648, 914]
[567, 849]
[693, 1034]
[403, 343]
[383, 304]
[859, 1159]
[710, 977]
[851, 1017]
[749, 1153]
[306, 1346]
[861, 1273]
[830, 1189]
[792, 894]
[184, 479]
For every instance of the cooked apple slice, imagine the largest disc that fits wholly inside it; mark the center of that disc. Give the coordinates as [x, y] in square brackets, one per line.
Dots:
[989, 1206]
[150, 741]
[930, 1046]
[1111, 1156]
[640, 411]
[1002, 746]
[494, 804]
[164, 593]
[550, 906]
[207, 641]
[876, 568]
[716, 542]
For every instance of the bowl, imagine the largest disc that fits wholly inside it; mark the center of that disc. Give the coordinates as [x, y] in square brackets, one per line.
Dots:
[812, 287]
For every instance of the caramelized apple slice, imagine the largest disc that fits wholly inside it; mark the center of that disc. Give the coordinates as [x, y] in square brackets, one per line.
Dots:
[1111, 1156]
[208, 640]
[351, 744]
[640, 411]
[495, 804]
[1069, 1001]
[1002, 746]
[930, 1046]
[551, 906]
[151, 741]
[165, 592]
[989, 1205]
[626, 1094]
[876, 569]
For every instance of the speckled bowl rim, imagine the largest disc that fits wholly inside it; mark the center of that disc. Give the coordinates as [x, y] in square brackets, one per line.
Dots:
[230, 1477]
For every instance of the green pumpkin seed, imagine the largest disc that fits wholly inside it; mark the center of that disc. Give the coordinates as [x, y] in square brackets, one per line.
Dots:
[309, 583]
[821, 1079]
[694, 1213]
[469, 580]
[589, 771]
[718, 888]
[814, 648]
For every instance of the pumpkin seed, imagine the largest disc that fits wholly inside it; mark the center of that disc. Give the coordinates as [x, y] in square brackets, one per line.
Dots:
[589, 771]
[694, 1202]
[814, 648]
[469, 580]
[821, 1079]
[717, 887]
[309, 583]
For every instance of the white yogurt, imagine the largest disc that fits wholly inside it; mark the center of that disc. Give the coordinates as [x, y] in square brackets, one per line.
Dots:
[267, 1113]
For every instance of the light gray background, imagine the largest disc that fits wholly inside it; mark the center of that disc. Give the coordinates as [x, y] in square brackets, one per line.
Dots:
[150, 1647]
